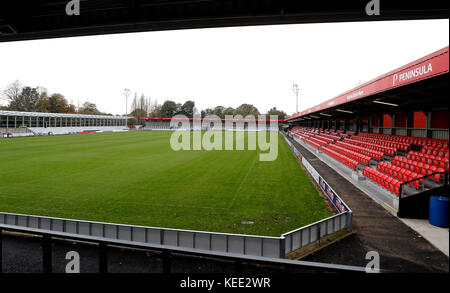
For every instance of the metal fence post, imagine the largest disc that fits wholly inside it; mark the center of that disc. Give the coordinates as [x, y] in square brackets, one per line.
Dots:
[282, 247]
[47, 254]
[349, 221]
[318, 233]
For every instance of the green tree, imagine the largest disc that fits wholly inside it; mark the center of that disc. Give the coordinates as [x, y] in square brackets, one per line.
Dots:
[137, 114]
[246, 109]
[26, 101]
[156, 110]
[274, 111]
[228, 111]
[89, 108]
[188, 108]
[218, 110]
[169, 109]
[206, 112]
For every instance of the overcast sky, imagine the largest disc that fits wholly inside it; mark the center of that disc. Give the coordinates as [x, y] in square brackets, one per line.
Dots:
[222, 66]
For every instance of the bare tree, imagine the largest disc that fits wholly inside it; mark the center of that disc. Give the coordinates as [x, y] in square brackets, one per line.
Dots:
[12, 91]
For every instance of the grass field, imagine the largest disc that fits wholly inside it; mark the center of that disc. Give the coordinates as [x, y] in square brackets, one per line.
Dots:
[136, 178]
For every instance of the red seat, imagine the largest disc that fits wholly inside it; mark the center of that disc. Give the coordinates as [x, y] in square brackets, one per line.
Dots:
[414, 166]
[397, 187]
[437, 177]
[433, 169]
[385, 183]
[420, 165]
[417, 182]
[391, 184]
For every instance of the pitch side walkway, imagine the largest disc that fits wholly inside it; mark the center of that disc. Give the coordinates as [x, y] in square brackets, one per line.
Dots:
[401, 249]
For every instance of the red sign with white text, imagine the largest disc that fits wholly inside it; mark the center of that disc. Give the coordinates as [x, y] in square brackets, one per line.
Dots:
[423, 68]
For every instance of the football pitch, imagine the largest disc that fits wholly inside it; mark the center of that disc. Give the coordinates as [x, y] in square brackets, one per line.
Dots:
[136, 178]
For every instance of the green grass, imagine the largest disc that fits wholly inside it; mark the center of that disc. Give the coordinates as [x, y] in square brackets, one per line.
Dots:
[136, 178]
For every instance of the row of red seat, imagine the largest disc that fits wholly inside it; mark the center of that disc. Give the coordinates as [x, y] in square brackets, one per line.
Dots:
[419, 155]
[363, 159]
[364, 149]
[417, 167]
[319, 141]
[371, 146]
[383, 136]
[312, 143]
[323, 138]
[328, 136]
[400, 174]
[306, 135]
[396, 145]
[421, 141]
[391, 184]
[431, 143]
[442, 152]
[341, 158]
[427, 159]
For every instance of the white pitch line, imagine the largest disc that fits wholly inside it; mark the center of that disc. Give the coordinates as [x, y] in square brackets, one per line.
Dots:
[242, 181]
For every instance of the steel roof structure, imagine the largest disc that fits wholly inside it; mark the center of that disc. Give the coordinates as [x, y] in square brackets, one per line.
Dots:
[417, 86]
[40, 19]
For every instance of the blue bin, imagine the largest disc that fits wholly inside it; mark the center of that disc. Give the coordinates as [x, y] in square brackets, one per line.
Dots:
[439, 211]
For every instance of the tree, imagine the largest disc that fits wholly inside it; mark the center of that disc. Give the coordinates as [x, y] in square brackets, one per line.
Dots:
[274, 111]
[139, 108]
[57, 104]
[26, 101]
[207, 112]
[169, 109]
[43, 103]
[155, 109]
[37, 99]
[218, 110]
[134, 103]
[12, 91]
[228, 111]
[72, 109]
[89, 108]
[188, 109]
[246, 109]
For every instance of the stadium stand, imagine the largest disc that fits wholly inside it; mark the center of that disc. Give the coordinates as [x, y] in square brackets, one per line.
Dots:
[14, 123]
[74, 130]
[15, 131]
[156, 125]
[388, 172]
[392, 130]
[163, 123]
